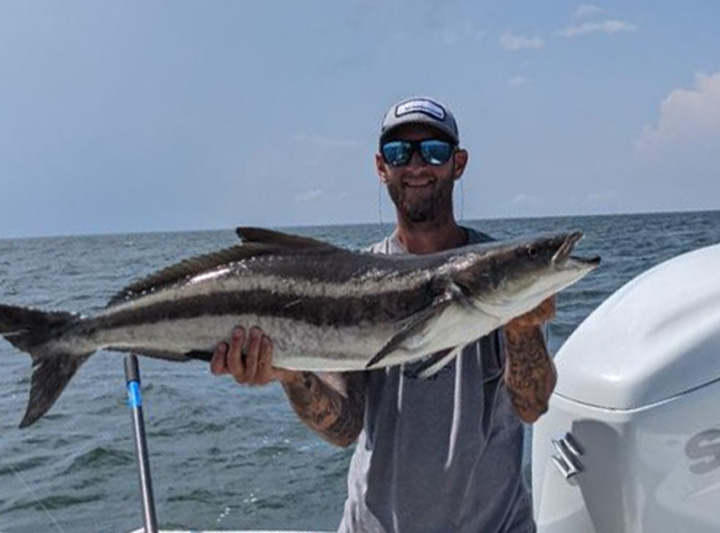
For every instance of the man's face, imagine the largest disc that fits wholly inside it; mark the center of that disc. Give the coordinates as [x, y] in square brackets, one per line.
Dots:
[421, 192]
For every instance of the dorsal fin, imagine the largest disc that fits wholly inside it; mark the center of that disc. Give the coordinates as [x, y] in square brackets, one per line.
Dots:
[277, 238]
[190, 267]
[257, 241]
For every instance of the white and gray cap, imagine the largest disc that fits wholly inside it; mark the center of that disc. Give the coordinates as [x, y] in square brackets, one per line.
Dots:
[420, 110]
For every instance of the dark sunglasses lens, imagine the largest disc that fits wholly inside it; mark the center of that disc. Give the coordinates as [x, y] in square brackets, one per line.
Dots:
[436, 152]
[396, 153]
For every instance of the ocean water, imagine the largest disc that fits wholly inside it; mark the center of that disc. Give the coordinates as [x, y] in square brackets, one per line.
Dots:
[222, 456]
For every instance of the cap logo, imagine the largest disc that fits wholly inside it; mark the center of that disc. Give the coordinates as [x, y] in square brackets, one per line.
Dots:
[426, 107]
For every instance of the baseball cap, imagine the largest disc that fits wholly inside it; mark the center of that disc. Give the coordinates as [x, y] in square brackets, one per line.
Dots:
[420, 110]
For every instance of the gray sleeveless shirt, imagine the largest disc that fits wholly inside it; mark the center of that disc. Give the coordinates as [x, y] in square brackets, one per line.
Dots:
[439, 455]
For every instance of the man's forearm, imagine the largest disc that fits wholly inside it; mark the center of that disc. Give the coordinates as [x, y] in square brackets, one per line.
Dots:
[336, 418]
[530, 373]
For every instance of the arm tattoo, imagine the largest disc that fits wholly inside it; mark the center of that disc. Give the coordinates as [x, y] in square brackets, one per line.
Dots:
[334, 417]
[530, 373]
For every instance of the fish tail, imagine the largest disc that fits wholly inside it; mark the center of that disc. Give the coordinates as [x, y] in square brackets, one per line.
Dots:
[31, 331]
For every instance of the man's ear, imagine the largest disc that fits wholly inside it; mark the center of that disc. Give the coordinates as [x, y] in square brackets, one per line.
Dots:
[461, 160]
[381, 168]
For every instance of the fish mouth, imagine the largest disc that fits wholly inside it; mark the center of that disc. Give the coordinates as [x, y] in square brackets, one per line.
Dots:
[563, 253]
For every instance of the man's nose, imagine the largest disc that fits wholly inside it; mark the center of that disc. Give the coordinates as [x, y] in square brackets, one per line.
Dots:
[416, 160]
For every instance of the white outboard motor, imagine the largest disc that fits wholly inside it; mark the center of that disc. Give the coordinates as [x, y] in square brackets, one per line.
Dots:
[631, 442]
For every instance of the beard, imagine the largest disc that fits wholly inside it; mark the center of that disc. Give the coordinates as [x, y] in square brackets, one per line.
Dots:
[431, 207]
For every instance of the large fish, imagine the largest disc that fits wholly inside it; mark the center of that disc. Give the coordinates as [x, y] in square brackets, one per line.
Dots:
[325, 308]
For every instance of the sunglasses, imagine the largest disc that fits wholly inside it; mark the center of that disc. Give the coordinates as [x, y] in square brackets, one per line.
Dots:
[433, 151]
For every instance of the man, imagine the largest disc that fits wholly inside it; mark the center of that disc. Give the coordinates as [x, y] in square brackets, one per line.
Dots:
[441, 454]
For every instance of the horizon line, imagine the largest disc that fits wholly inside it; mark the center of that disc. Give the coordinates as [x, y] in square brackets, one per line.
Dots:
[344, 224]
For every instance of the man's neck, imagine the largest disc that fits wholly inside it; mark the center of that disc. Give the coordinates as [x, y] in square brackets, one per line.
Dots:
[428, 238]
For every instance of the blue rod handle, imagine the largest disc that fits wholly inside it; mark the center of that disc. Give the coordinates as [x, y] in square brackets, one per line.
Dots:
[132, 378]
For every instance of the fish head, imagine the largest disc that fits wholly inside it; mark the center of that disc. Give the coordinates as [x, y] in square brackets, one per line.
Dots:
[509, 279]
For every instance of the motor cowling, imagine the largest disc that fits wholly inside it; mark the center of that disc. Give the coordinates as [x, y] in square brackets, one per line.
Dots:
[631, 442]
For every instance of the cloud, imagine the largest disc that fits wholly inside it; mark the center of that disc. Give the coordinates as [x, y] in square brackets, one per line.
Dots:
[325, 142]
[443, 21]
[520, 80]
[601, 196]
[610, 26]
[586, 10]
[675, 163]
[469, 32]
[514, 43]
[688, 117]
[527, 200]
[308, 196]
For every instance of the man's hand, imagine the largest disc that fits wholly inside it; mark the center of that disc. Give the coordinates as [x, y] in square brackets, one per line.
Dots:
[332, 415]
[253, 367]
[537, 317]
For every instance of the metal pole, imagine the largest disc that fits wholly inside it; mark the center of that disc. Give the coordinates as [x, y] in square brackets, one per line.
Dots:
[132, 378]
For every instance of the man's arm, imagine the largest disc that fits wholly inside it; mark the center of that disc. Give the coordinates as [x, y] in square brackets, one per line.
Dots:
[530, 373]
[335, 416]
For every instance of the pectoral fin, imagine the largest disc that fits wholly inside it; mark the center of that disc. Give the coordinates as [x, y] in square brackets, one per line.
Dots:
[459, 295]
[435, 364]
[450, 293]
[414, 326]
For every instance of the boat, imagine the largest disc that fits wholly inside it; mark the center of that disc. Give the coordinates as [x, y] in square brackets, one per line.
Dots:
[631, 439]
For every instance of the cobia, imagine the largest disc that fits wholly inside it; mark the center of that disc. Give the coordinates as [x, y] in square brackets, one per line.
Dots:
[325, 308]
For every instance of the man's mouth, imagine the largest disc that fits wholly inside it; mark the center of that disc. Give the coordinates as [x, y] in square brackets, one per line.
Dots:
[418, 183]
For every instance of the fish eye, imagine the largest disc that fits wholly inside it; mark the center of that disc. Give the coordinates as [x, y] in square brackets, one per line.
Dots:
[532, 251]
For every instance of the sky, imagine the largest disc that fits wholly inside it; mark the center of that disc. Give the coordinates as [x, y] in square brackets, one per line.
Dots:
[153, 115]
